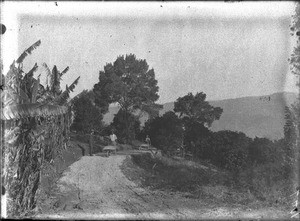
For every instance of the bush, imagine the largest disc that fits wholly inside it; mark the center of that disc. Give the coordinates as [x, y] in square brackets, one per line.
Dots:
[225, 149]
[166, 132]
[125, 134]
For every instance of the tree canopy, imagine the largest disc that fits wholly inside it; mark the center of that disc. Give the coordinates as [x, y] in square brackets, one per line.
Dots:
[87, 116]
[195, 108]
[129, 82]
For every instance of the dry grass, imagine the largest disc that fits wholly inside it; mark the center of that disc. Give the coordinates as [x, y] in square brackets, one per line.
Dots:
[166, 173]
[192, 178]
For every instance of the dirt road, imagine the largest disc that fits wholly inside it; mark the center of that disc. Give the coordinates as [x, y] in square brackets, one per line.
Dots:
[95, 188]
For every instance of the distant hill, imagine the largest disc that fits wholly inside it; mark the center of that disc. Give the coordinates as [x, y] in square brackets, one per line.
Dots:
[255, 116]
[261, 116]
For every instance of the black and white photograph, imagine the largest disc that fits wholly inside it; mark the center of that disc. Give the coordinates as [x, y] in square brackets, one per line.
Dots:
[150, 110]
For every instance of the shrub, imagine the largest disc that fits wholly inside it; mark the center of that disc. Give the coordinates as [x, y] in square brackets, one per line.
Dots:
[226, 149]
[125, 133]
[166, 132]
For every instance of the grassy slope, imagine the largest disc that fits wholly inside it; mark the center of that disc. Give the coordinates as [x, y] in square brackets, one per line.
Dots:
[255, 116]
[196, 182]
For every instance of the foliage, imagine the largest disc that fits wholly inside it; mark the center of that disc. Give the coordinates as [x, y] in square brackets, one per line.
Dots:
[292, 127]
[194, 135]
[130, 83]
[28, 51]
[119, 124]
[291, 143]
[195, 108]
[261, 151]
[37, 122]
[228, 149]
[25, 96]
[87, 116]
[166, 132]
[292, 123]
[295, 29]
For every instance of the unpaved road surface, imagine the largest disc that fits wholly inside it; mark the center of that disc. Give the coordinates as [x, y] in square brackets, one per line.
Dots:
[95, 188]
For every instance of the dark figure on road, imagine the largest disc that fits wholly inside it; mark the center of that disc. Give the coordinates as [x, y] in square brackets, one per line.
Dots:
[148, 141]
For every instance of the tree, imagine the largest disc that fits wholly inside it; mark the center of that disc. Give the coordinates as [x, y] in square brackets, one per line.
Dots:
[193, 134]
[196, 109]
[130, 83]
[87, 116]
[165, 132]
[119, 124]
[197, 114]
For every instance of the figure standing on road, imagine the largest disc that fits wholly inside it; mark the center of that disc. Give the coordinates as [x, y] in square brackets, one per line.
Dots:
[91, 142]
[148, 141]
[113, 139]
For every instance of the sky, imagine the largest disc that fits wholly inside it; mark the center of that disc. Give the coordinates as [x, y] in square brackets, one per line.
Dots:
[226, 50]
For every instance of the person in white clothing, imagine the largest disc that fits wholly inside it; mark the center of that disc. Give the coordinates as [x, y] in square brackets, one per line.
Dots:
[113, 139]
[148, 141]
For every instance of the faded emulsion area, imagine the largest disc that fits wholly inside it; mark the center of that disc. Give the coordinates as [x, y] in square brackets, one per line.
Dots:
[150, 110]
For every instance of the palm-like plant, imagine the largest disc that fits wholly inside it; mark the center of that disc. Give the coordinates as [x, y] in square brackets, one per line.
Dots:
[24, 95]
[39, 120]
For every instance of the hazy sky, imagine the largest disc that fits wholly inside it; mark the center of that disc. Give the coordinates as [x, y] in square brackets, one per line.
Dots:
[226, 50]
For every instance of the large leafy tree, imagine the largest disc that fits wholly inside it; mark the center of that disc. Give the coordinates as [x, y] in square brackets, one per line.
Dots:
[197, 114]
[196, 108]
[87, 116]
[129, 82]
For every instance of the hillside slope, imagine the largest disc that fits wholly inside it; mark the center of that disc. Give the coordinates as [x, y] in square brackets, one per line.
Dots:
[255, 116]
[261, 116]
